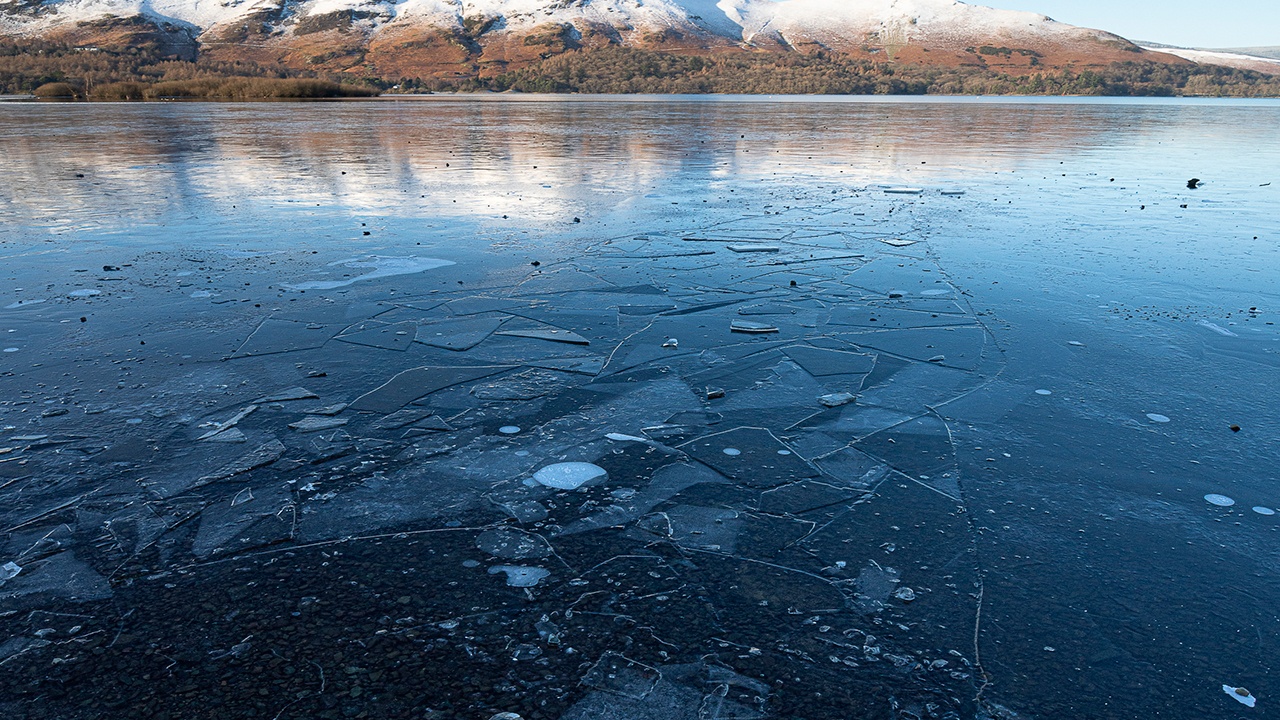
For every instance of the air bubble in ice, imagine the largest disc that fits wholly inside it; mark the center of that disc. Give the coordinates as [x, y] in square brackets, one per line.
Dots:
[784, 452]
[1264, 510]
[519, 576]
[509, 429]
[1219, 500]
[570, 475]
[11, 350]
[1156, 417]
[1044, 392]
[470, 563]
[732, 452]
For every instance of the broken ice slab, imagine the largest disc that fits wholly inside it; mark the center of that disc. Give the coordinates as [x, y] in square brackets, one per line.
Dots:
[642, 310]
[397, 336]
[61, 576]
[821, 362]
[223, 524]
[903, 191]
[9, 571]
[295, 393]
[620, 675]
[917, 447]
[227, 424]
[952, 191]
[458, 335]
[280, 336]
[412, 416]
[378, 266]
[417, 383]
[753, 328]
[552, 334]
[519, 576]
[581, 365]
[754, 248]
[261, 456]
[315, 423]
[896, 318]
[803, 496]
[570, 475]
[898, 242]
[513, 544]
[962, 347]
[689, 526]
[328, 410]
[753, 456]
[477, 305]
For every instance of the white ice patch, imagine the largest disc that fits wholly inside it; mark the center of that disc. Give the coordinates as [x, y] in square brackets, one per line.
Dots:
[1044, 392]
[619, 437]
[570, 475]
[519, 576]
[1216, 328]
[1242, 696]
[1264, 511]
[1157, 417]
[1219, 500]
[381, 267]
[22, 303]
[84, 293]
[509, 430]
[732, 452]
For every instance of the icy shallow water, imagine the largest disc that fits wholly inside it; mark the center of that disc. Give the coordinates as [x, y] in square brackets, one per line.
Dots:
[278, 383]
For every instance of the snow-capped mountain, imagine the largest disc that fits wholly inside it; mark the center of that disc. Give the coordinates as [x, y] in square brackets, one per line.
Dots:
[495, 34]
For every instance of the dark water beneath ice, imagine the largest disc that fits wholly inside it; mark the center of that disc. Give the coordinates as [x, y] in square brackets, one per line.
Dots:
[281, 385]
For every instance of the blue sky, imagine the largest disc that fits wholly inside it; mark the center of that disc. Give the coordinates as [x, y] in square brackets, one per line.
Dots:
[1194, 23]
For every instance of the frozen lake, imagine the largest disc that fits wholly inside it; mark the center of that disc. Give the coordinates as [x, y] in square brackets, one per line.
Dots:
[640, 409]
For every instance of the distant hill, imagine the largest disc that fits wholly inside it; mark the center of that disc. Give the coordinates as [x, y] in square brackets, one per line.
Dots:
[948, 46]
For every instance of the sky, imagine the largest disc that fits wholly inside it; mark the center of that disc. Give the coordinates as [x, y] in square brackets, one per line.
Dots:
[1189, 23]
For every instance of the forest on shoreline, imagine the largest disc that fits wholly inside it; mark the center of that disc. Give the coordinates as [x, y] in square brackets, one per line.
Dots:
[142, 73]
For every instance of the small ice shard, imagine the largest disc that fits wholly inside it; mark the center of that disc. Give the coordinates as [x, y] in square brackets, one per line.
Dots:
[952, 192]
[506, 716]
[9, 571]
[898, 242]
[1219, 500]
[1156, 417]
[242, 497]
[232, 435]
[315, 423]
[619, 437]
[903, 191]
[509, 430]
[755, 328]
[670, 343]
[905, 594]
[714, 393]
[1242, 696]
[570, 475]
[83, 293]
[837, 399]
[1044, 392]
[519, 576]
[1216, 328]
[938, 359]
[11, 349]
[294, 393]
[732, 452]
[1075, 343]
[1264, 510]
[753, 248]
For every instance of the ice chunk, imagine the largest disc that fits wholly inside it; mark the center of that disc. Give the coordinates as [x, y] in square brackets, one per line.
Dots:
[1242, 696]
[620, 675]
[280, 336]
[1219, 500]
[84, 293]
[264, 455]
[398, 336]
[509, 430]
[754, 328]
[570, 475]
[903, 191]
[837, 399]
[222, 427]
[521, 577]
[1157, 418]
[1264, 511]
[9, 571]
[753, 248]
[898, 242]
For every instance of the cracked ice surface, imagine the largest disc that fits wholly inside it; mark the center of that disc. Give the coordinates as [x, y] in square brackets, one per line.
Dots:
[775, 454]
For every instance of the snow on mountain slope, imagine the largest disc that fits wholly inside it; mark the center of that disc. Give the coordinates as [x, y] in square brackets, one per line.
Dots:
[736, 20]
[1227, 59]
